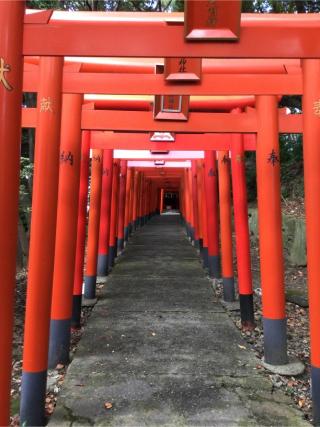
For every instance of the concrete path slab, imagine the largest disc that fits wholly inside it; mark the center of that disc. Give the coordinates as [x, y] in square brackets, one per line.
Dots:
[162, 349]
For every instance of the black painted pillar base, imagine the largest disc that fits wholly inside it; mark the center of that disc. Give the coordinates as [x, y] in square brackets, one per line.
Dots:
[247, 311]
[315, 391]
[205, 257]
[102, 265]
[90, 287]
[126, 233]
[76, 311]
[33, 394]
[112, 255]
[131, 228]
[59, 342]
[201, 245]
[275, 341]
[214, 266]
[228, 289]
[120, 245]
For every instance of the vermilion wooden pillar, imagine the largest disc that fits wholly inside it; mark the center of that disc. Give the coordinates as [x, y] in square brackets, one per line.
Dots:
[90, 277]
[161, 200]
[211, 193]
[141, 199]
[11, 31]
[187, 199]
[81, 229]
[270, 232]
[131, 206]
[122, 204]
[135, 199]
[225, 225]
[114, 213]
[66, 232]
[104, 230]
[204, 218]
[199, 204]
[311, 156]
[191, 213]
[127, 204]
[42, 242]
[195, 204]
[240, 207]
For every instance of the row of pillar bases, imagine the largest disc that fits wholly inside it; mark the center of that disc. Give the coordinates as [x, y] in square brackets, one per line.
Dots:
[46, 269]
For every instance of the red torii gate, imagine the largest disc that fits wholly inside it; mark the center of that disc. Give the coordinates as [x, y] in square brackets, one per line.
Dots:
[291, 37]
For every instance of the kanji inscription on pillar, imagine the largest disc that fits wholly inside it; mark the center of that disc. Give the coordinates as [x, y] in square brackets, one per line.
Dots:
[238, 158]
[66, 157]
[273, 158]
[316, 107]
[4, 68]
[46, 105]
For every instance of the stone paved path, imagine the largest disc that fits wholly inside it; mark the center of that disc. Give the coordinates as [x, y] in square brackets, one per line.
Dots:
[162, 350]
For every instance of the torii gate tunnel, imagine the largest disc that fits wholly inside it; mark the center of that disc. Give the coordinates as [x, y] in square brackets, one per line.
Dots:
[164, 104]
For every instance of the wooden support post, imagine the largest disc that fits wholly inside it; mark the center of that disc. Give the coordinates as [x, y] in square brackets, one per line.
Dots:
[127, 204]
[195, 204]
[105, 213]
[211, 194]
[90, 277]
[226, 225]
[42, 243]
[11, 71]
[114, 213]
[122, 205]
[199, 203]
[311, 156]
[131, 207]
[270, 232]
[161, 200]
[66, 232]
[81, 230]
[240, 207]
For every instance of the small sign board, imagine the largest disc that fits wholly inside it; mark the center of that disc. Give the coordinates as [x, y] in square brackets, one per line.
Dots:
[212, 20]
[182, 69]
[171, 107]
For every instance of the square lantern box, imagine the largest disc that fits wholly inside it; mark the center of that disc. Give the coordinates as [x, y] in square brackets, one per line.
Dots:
[171, 107]
[182, 69]
[212, 20]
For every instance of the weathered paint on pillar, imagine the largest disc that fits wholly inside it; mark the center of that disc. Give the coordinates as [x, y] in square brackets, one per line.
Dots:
[42, 243]
[93, 224]
[11, 31]
[211, 194]
[81, 230]
[114, 213]
[122, 204]
[105, 213]
[240, 207]
[66, 231]
[225, 225]
[311, 156]
[270, 231]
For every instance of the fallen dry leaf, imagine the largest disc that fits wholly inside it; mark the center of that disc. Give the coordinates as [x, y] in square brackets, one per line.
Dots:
[108, 405]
